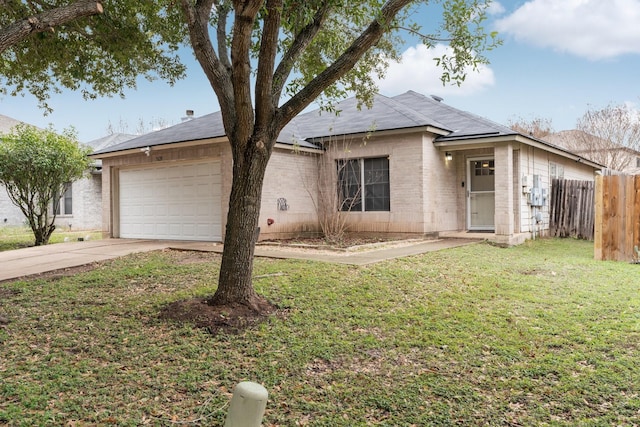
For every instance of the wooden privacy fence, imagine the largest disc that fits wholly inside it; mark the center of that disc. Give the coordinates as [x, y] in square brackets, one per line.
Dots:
[571, 210]
[617, 228]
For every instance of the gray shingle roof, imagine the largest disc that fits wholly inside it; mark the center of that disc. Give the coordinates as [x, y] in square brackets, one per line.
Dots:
[409, 110]
[207, 126]
[462, 124]
[385, 114]
[406, 111]
[109, 140]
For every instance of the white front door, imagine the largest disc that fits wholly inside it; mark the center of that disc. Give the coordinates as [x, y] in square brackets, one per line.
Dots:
[481, 195]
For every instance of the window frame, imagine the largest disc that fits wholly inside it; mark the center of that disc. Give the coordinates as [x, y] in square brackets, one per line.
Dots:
[373, 195]
[556, 170]
[65, 202]
[484, 167]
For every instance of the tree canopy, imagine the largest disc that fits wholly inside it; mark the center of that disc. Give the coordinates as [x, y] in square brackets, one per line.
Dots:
[36, 166]
[95, 47]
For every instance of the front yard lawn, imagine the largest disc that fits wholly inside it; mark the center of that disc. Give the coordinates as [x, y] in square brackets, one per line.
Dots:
[22, 237]
[539, 334]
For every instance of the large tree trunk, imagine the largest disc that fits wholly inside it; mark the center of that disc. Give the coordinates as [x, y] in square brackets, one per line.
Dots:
[235, 282]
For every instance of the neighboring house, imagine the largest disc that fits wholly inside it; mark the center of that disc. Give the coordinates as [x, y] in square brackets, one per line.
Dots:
[615, 157]
[10, 214]
[81, 205]
[410, 165]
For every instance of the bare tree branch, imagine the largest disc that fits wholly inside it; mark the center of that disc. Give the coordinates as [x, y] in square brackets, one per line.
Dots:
[47, 21]
[246, 13]
[221, 34]
[425, 37]
[345, 62]
[218, 72]
[265, 104]
[300, 43]
[610, 136]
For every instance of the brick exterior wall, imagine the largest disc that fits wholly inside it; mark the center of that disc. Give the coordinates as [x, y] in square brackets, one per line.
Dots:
[10, 214]
[87, 207]
[429, 194]
[86, 196]
[292, 177]
[406, 185]
[440, 188]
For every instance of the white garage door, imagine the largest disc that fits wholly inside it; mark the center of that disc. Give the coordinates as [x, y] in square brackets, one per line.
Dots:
[175, 202]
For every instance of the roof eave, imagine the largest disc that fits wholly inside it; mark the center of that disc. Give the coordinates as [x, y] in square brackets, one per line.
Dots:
[486, 142]
[385, 132]
[156, 147]
[298, 148]
[537, 143]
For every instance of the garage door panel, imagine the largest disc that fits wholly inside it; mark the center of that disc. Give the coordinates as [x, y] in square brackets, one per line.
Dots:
[188, 192]
[178, 202]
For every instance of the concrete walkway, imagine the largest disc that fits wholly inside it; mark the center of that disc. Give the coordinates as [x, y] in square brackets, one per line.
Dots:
[357, 257]
[41, 259]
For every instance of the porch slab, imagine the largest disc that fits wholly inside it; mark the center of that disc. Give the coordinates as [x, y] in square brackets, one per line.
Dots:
[499, 239]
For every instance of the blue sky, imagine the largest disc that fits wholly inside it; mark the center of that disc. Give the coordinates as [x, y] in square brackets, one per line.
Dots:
[559, 59]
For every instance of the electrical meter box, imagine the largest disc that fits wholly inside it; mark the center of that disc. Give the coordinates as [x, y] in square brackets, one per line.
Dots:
[537, 194]
[535, 197]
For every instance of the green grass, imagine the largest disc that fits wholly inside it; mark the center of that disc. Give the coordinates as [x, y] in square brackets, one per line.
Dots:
[539, 334]
[22, 237]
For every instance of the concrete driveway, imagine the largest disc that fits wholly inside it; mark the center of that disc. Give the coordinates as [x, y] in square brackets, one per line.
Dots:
[41, 259]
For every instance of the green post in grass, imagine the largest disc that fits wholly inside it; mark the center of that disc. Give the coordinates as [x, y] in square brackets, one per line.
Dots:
[247, 406]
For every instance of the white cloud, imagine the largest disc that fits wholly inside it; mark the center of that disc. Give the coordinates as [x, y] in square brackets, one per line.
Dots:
[495, 8]
[593, 29]
[418, 71]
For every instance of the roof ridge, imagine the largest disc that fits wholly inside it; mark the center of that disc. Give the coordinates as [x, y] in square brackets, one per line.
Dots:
[467, 114]
[431, 120]
[404, 109]
[478, 118]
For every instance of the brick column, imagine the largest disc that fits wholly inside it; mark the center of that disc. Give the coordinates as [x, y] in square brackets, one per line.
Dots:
[107, 203]
[504, 192]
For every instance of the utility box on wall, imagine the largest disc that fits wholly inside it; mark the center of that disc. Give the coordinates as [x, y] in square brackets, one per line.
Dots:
[536, 195]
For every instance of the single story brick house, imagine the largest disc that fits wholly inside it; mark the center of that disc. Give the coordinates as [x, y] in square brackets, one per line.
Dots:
[410, 165]
[10, 214]
[80, 206]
